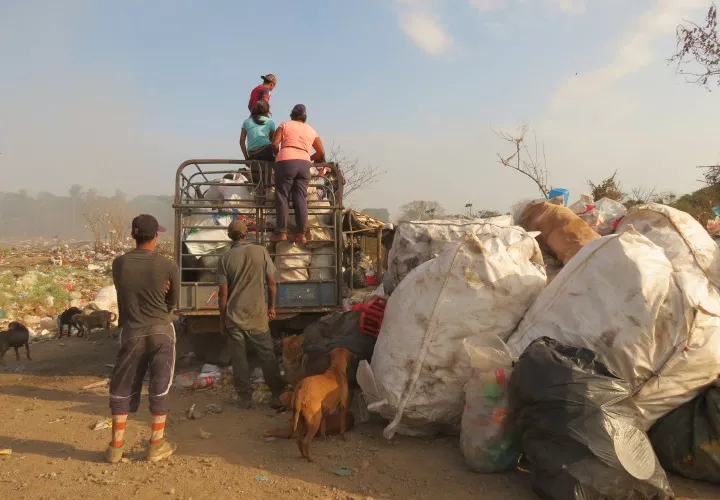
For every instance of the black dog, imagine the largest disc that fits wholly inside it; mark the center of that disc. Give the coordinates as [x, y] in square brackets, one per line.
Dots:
[65, 319]
[16, 336]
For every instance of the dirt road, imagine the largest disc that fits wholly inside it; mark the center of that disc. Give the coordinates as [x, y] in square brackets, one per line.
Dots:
[46, 420]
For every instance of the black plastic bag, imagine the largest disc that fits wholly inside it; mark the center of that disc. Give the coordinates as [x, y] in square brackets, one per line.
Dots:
[687, 440]
[578, 428]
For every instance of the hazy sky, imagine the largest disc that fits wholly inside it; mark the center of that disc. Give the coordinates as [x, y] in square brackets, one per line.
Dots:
[117, 94]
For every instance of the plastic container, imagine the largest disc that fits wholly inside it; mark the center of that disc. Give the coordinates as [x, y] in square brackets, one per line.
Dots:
[557, 192]
[372, 313]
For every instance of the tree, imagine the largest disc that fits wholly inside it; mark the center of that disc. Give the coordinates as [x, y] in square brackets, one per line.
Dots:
[118, 217]
[700, 44]
[609, 188]
[421, 210]
[96, 217]
[525, 160]
[357, 176]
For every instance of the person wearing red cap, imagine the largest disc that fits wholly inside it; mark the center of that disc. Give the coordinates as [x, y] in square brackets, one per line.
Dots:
[262, 91]
[148, 287]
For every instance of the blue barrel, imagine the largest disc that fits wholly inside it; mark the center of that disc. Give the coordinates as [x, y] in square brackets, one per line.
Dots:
[554, 193]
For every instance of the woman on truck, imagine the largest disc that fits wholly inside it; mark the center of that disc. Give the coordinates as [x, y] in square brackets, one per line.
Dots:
[258, 130]
[293, 142]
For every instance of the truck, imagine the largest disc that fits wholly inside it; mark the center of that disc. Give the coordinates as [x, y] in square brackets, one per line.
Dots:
[211, 193]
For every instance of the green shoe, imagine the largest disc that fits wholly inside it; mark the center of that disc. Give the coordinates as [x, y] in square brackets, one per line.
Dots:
[160, 450]
[113, 455]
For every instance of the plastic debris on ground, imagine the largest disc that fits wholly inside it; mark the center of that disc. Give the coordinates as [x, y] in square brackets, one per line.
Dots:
[262, 479]
[579, 427]
[602, 216]
[103, 424]
[419, 367]
[342, 471]
[687, 440]
[645, 300]
[486, 439]
[5, 452]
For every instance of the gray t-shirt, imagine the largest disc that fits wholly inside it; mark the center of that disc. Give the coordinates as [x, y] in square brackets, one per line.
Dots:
[141, 278]
[244, 268]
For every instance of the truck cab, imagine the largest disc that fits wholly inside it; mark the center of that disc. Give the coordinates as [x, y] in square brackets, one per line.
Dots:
[209, 195]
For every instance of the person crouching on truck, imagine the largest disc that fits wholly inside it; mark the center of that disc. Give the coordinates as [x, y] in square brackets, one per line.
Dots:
[148, 286]
[293, 142]
[243, 273]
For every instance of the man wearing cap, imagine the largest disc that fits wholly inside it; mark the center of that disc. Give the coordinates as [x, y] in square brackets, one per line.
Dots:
[147, 287]
[262, 91]
[243, 274]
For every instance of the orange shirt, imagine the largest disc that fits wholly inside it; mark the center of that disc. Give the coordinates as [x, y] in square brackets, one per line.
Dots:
[297, 141]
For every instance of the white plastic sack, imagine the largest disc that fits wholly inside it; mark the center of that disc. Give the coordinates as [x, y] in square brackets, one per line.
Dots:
[621, 297]
[602, 215]
[290, 255]
[210, 232]
[239, 197]
[323, 263]
[485, 438]
[418, 242]
[478, 287]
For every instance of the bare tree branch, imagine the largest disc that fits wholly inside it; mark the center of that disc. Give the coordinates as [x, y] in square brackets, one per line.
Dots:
[527, 164]
[357, 176]
[701, 45]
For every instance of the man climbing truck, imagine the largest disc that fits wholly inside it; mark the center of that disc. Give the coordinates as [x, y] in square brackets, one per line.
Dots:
[209, 196]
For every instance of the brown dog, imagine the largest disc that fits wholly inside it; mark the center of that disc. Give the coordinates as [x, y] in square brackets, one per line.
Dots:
[96, 319]
[293, 359]
[332, 421]
[321, 395]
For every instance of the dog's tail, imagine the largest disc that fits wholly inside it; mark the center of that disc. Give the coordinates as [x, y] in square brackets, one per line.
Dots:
[296, 412]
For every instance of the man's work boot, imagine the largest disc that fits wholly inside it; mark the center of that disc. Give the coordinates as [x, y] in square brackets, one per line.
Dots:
[160, 450]
[113, 454]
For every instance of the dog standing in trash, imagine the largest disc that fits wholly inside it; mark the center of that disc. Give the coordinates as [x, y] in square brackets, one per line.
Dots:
[332, 421]
[96, 319]
[66, 319]
[319, 395]
[16, 336]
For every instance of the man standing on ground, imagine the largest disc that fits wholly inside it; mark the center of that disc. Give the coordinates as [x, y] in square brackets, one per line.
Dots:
[147, 287]
[243, 274]
[262, 91]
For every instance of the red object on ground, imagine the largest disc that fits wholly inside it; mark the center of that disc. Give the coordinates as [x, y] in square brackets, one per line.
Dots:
[371, 280]
[372, 313]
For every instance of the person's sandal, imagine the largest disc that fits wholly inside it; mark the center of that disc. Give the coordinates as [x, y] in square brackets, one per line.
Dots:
[300, 239]
[278, 237]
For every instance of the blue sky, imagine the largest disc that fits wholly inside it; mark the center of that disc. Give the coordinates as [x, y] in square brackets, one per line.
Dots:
[117, 94]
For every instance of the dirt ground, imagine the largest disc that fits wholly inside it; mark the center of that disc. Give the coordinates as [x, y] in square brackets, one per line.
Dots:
[46, 420]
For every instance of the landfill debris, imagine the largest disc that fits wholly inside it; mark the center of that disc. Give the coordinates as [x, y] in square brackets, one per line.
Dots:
[194, 414]
[213, 408]
[262, 479]
[6, 452]
[342, 471]
[577, 423]
[260, 397]
[486, 438]
[103, 424]
[686, 439]
[205, 434]
[14, 369]
[269, 439]
[96, 385]
[479, 285]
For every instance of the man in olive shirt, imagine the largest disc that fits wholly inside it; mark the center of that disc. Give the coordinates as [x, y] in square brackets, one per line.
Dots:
[147, 287]
[243, 274]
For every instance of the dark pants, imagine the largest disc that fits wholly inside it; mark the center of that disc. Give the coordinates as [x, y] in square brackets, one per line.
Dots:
[265, 153]
[150, 348]
[263, 345]
[291, 181]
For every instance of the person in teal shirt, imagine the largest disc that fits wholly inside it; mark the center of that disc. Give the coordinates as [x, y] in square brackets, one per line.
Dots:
[258, 131]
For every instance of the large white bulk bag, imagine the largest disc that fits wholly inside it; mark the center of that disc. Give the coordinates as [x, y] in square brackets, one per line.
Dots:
[479, 286]
[206, 233]
[418, 242]
[323, 263]
[290, 255]
[621, 297]
[239, 197]
[106, 300]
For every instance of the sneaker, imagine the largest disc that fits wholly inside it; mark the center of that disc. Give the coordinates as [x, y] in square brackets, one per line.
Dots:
[113, 455]
[160, 450]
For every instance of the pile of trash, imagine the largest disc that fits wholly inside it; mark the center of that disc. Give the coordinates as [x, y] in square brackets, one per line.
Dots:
[598, 378]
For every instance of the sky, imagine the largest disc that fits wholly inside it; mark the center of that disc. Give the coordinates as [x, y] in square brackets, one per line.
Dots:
[115, 95]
